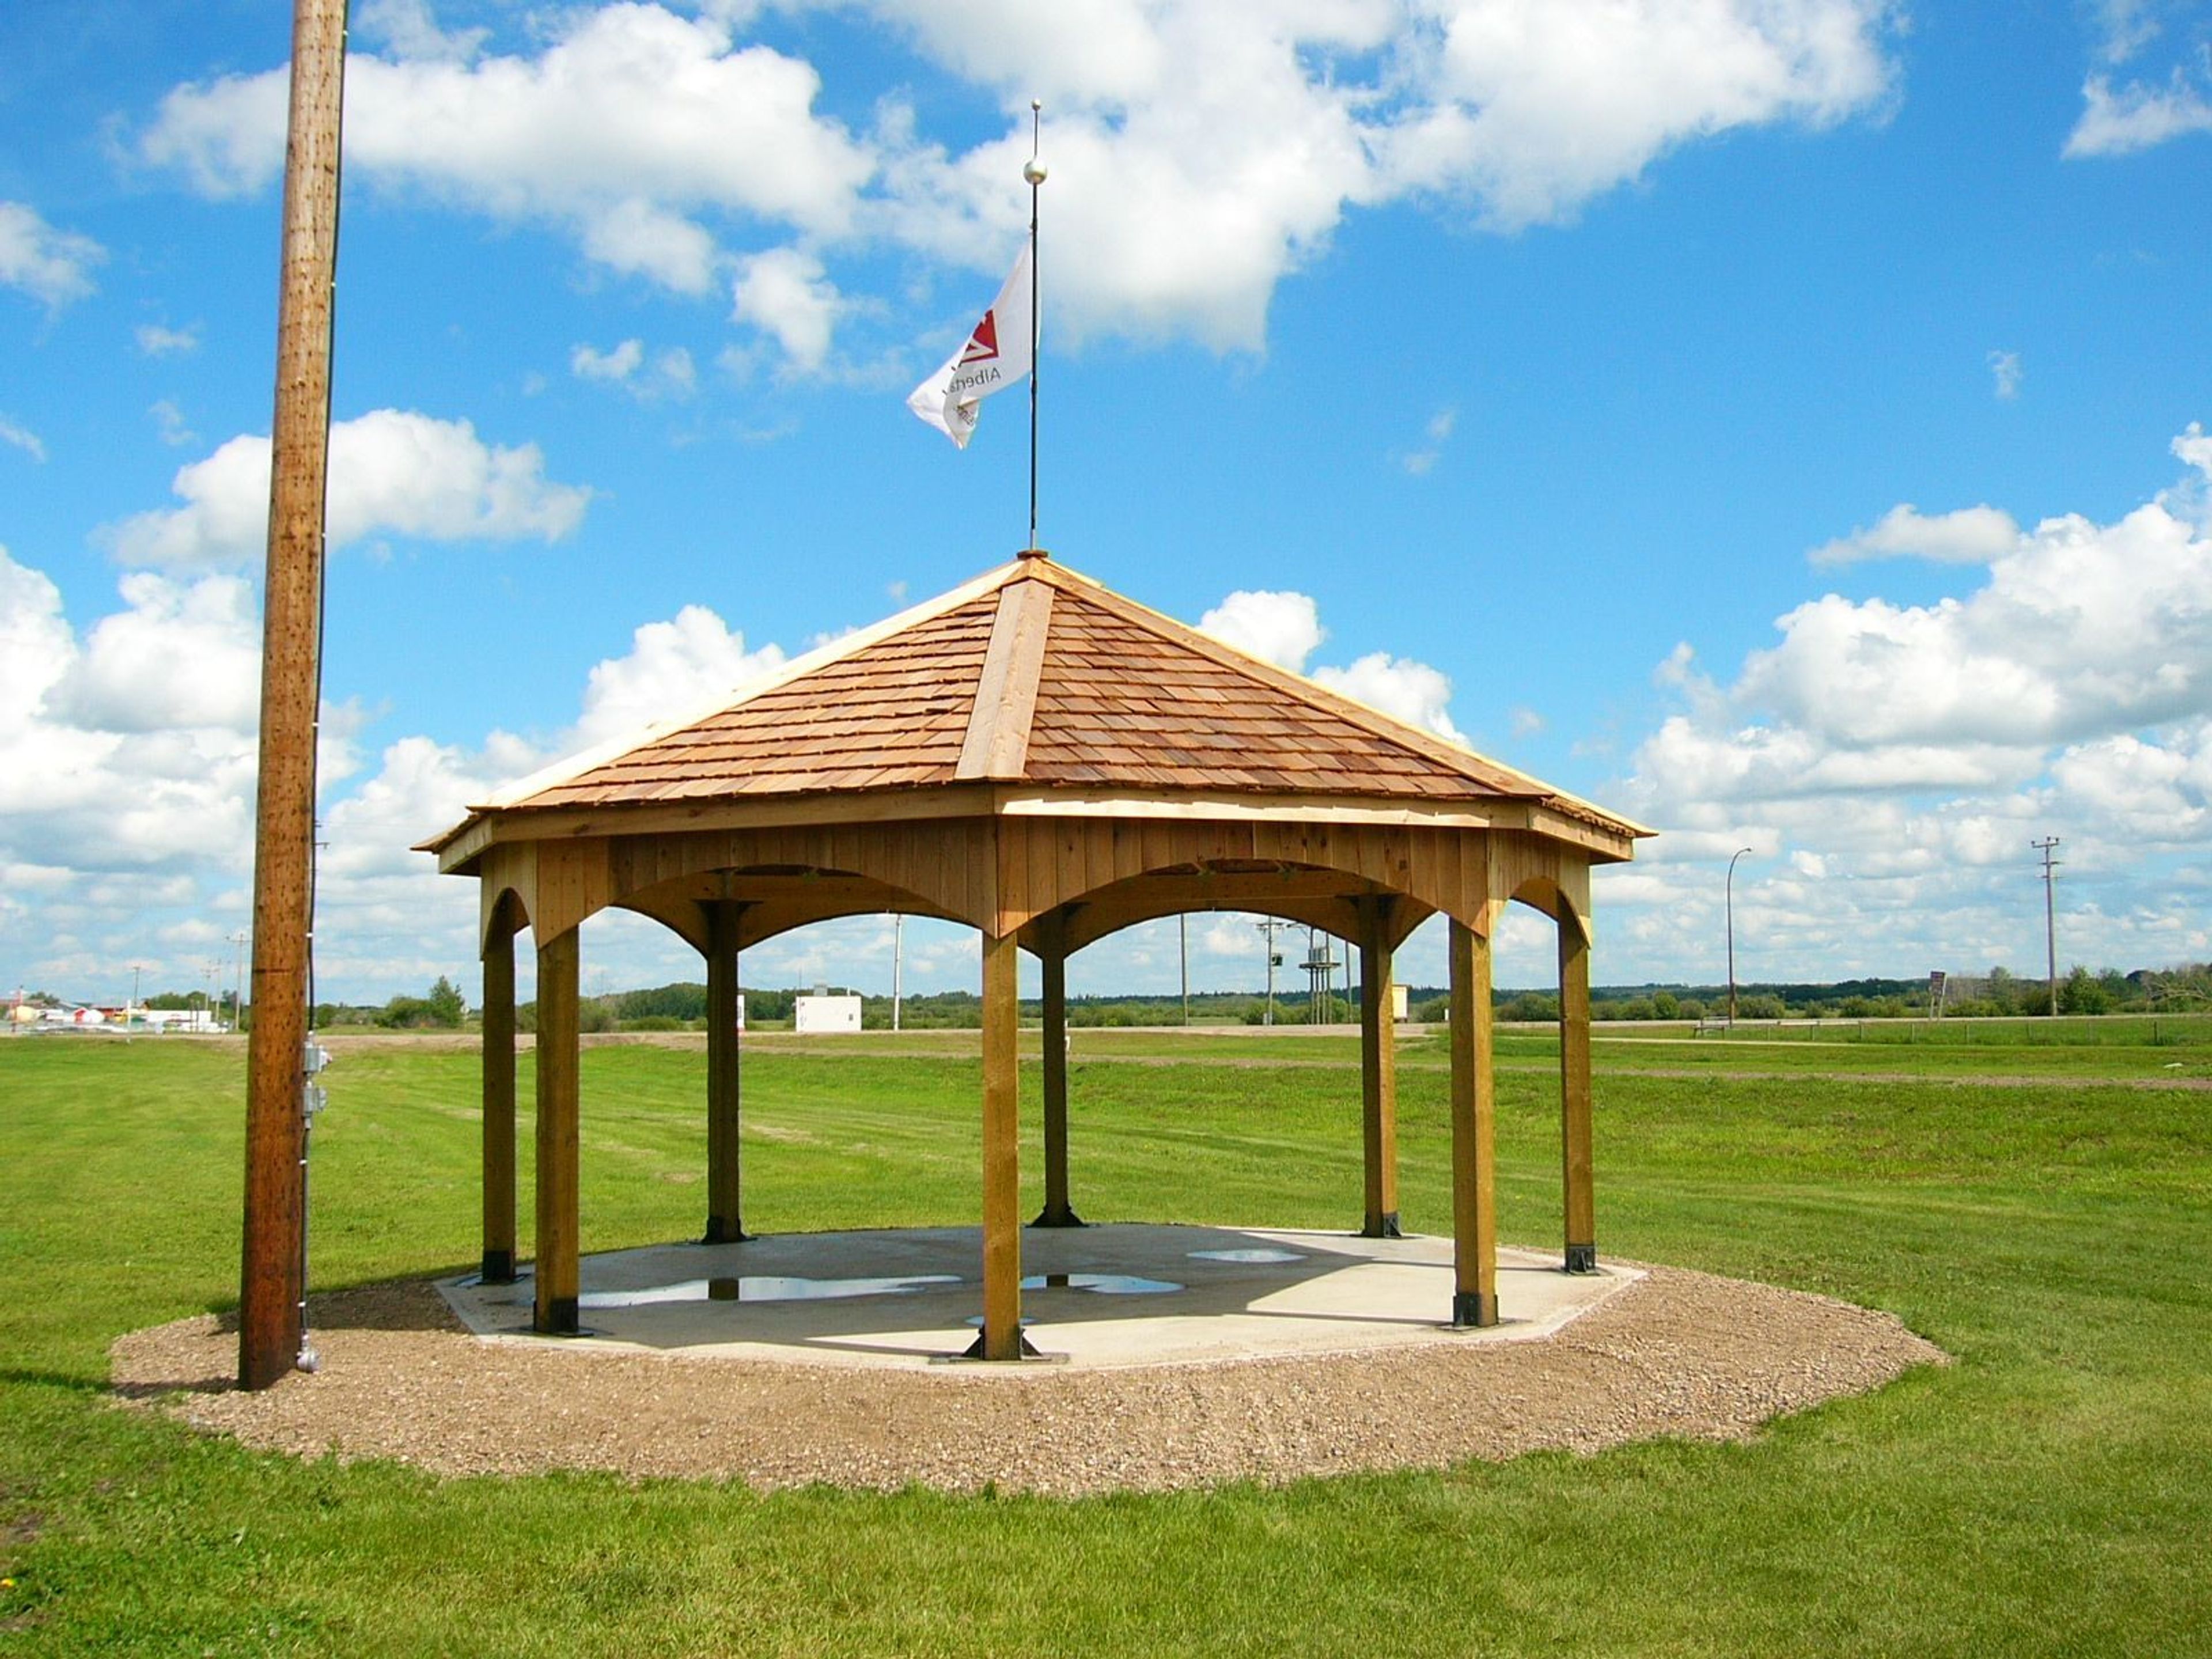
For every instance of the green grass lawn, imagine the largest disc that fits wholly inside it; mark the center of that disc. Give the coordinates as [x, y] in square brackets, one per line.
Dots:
[2049, 1493]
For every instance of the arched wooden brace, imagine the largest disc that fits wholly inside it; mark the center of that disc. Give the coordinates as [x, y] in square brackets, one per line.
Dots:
[938, 868]
[942, 867]
[1317, 898]
[774, 902]
[1046, 863]
[497, 1163]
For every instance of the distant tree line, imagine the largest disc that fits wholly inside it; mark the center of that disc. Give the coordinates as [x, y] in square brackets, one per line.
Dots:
[681, 1006]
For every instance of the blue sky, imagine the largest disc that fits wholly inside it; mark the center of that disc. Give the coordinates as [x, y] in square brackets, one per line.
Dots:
[1779, 420]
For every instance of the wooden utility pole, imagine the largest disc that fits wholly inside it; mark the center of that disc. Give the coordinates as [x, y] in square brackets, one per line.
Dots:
[273, 1278]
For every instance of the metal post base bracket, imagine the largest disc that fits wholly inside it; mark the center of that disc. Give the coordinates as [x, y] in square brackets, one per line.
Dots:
[1581, 1258]
[1383, 1226]
[719, 1231]
[561, 1318]
[1473, 1312]
[1065, 1216]
[974, 1350]
[498, 1268]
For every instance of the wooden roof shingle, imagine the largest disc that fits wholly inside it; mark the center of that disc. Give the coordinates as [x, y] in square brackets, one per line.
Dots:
[1033, 675]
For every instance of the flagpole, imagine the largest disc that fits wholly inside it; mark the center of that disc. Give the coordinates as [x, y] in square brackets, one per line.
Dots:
[1034, 172]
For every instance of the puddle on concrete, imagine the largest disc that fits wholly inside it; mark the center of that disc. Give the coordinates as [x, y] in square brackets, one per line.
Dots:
[1103, 1284]
[763, 1287]
[1245, 1255]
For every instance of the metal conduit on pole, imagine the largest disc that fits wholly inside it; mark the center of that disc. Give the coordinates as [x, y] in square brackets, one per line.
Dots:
[273, 1276]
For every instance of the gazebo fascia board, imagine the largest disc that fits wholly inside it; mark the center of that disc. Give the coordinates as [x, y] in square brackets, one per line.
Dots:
[728, 835]
[459, 848]
[999, 873]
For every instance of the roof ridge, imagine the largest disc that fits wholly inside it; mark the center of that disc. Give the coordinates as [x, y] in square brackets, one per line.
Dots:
[998, 724]
[573, 766]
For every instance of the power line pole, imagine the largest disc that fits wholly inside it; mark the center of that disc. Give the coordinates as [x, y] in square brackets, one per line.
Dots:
[271, 1326]
[2050, 917]
[1183, 942]
[1269, 927]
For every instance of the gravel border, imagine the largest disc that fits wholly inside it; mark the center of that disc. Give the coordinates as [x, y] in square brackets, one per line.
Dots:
[1678, 1354]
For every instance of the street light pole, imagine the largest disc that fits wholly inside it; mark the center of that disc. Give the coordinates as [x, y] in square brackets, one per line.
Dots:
[1728, 892]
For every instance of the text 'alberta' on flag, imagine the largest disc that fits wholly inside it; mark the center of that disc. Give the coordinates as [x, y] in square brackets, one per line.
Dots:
[995, 357]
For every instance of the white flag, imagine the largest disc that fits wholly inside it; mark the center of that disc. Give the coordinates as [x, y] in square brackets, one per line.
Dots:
[995, 357]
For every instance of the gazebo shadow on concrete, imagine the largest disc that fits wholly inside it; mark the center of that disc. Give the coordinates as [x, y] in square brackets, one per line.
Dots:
[1045, 760]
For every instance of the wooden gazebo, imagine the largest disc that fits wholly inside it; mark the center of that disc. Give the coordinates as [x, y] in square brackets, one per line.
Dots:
[1042, 759]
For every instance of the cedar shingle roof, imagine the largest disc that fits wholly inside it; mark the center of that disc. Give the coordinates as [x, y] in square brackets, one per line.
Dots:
[1034, 675]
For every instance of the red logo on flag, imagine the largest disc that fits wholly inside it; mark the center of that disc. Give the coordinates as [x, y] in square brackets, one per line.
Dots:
[983, 343]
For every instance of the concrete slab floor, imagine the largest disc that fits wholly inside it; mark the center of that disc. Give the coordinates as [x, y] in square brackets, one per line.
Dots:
[1125, 1294]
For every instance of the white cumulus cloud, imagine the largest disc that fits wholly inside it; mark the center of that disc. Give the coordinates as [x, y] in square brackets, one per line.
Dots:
[646, 377]
[1404, 689]
[1900, 756]
[617, 363]
[156, 341]
[392, 472]
[1972, 535]
[1201, 151]
[1281, 628]
[49, 265]
[1285, 629]
[786, 294]
[183, 654]
[22, 437]
[2136, 116]
[634, 117]
[673, 669]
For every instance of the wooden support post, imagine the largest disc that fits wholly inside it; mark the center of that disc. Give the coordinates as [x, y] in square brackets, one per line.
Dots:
[1378, 1071]
[499, 1104]
[1057, 1211]
[725, 1211]
[273, 1269]
[559, 1098]
[1474, 1209]
[1002, 1153]
[1575, 1129]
